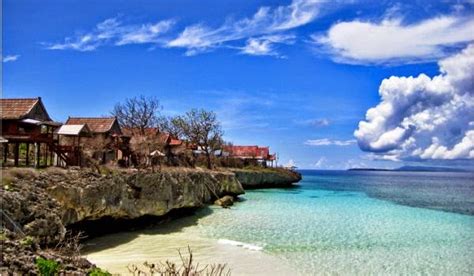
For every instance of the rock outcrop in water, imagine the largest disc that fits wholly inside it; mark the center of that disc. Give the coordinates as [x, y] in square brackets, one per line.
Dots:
[266, 178]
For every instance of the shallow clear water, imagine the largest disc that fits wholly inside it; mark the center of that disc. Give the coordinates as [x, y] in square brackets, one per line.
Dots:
[342, 223]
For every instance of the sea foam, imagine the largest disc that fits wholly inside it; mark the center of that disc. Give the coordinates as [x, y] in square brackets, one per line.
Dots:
[248, 246]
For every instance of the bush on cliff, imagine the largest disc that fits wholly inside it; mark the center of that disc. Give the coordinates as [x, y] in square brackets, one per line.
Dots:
[47, 267]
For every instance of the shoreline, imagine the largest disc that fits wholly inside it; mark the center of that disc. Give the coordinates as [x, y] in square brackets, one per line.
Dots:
[163, 242]
[78, 199]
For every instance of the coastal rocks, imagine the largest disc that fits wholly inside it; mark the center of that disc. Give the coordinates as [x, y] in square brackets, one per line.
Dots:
[266, 178]
[129, 196]
[28, 208]
[19, 256]
[225, 201]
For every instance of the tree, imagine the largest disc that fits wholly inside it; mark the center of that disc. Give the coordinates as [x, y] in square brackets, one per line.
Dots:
[171, 125]
[201, 128]
[138, 113]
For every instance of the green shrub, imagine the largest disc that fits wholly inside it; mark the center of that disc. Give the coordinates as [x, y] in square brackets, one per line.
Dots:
[47, 267]
[98, 272]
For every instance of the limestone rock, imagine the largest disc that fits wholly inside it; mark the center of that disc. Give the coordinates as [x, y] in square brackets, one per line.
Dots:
[225, 201]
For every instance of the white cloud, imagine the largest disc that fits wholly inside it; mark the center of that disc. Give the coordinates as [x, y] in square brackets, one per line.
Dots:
[260, 32]
[422, 117]
[113, 32]
[320, 163]
[266, 21]
[328, 142]
[264, 45]
[390, 41]
[290, 163]
[10, 58]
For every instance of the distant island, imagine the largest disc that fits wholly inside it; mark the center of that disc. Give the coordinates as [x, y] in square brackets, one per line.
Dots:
[414, 169]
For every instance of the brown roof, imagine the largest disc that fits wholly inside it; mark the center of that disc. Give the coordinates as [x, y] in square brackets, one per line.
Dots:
[95, 124]
[163, 137]
[17, 108]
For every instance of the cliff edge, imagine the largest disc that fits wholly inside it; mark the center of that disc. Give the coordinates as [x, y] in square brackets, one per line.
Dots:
[256, 178]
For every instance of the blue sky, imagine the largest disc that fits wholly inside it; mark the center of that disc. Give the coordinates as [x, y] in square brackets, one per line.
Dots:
[297, 75]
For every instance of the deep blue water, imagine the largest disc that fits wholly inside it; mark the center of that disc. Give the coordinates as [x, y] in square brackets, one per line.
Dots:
[447, 191]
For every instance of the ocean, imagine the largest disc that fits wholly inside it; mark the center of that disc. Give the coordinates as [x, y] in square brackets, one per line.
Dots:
[331, 223]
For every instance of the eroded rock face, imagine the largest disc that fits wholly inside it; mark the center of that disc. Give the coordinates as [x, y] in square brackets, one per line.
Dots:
[132, 196]
[266, 178]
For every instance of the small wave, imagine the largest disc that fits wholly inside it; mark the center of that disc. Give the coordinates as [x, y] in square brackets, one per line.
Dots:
[248, 246]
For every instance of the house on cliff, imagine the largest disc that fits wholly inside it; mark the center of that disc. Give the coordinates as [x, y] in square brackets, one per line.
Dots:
[250, 155]
[27, 133]
[102, 137]
[152, 143]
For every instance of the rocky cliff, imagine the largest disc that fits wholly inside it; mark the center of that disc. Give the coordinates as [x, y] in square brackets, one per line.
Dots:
[43, 203]
[129, 196]
[266, 178]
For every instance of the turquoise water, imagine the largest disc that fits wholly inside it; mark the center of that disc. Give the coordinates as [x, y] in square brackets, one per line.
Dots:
[341, 223]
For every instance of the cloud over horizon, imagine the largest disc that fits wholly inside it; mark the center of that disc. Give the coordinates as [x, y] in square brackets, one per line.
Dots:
[423, 118]
[392, 42]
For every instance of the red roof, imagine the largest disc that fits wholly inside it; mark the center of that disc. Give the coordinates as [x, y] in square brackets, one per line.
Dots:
[247, 152]
[95, 124]
[17, 108]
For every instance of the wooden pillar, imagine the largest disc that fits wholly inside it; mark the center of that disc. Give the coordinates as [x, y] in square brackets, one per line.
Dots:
[51, 161]
[37, 155]
[5, 153]
[27, 160]
[17, 153]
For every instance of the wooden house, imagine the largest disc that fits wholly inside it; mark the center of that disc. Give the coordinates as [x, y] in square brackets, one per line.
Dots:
[27, 132]
[250, 154]
[156, 143]
[105, 138]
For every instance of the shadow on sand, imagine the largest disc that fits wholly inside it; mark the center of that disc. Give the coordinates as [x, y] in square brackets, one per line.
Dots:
[124, 230]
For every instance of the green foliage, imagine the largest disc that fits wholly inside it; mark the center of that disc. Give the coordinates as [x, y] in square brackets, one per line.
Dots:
[47, 267]
[98, 272]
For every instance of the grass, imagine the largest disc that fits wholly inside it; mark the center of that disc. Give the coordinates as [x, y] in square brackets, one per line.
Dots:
[47, 267]
[98, 272]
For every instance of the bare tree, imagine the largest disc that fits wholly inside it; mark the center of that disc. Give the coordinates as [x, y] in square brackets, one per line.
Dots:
[149, 146]
[171, 125]
[138, 113]
[201, 128]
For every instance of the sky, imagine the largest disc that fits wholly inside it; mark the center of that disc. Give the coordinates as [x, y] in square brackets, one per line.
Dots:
[325, 84]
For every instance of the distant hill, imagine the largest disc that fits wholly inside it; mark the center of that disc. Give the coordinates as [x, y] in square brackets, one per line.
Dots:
[429, 169]
[413, 169]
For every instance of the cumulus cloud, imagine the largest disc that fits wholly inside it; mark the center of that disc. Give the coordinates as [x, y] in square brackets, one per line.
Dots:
[266, 21]
[113, 32]
[329, 142]
[390, 41]
[423, 118]
[10, 58]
